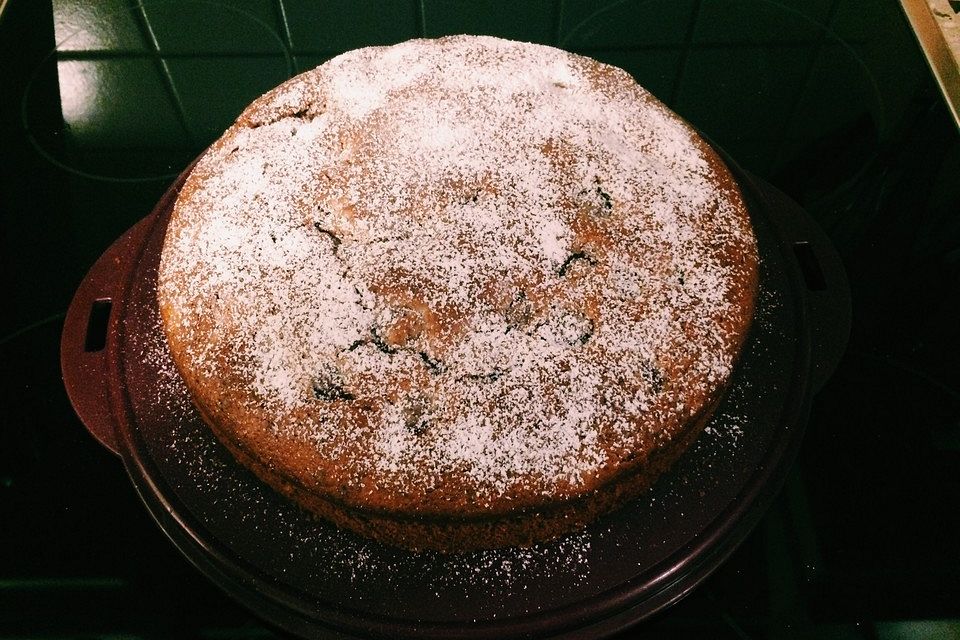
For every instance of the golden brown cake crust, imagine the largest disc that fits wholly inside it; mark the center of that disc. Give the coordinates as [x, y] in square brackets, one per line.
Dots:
[458, 293]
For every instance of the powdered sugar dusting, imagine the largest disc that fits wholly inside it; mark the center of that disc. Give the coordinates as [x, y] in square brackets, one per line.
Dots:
[466, 256]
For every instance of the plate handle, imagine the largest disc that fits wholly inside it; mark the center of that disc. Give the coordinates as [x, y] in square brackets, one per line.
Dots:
[826, 291]
[87, 330]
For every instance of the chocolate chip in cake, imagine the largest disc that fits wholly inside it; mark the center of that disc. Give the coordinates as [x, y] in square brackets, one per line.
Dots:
[492, 376]
[334, 238]
[356, 344]
[519, 312]
[584, 329]
[380, 343]
[653, 375]
[597, 200]
[415, 418]
[361, 298]
[328, 385]
[586, 335]
[605, 200]
[572, 260]
[471, 197]
[435, 366]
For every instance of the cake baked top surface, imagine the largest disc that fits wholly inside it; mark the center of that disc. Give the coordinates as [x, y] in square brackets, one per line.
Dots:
[461, 267]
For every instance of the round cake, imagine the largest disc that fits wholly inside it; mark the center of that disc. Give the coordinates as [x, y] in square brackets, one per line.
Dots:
[459, 293]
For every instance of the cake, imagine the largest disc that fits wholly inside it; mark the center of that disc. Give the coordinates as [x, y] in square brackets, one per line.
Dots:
[458, 294]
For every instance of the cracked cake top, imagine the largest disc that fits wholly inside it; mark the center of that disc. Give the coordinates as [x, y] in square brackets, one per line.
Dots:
[464, 267]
